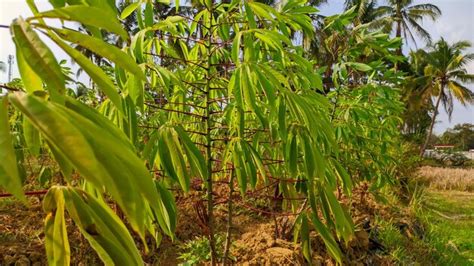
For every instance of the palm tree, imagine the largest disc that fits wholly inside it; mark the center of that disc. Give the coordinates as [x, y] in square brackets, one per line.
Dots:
[367, 11]
[405, 18]
[446, 75]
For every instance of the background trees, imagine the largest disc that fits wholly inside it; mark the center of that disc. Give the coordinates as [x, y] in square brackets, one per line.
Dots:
[403, 17]
[445, 74]
[461, 135]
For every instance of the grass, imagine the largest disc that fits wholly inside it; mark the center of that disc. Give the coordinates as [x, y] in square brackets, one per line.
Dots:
[442, 202]
[447, 178]
[451, 218]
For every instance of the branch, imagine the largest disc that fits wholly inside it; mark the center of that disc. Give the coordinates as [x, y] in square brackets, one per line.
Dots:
[8, 88]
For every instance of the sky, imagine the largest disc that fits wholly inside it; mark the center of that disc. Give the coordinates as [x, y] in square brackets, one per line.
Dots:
[455, 24]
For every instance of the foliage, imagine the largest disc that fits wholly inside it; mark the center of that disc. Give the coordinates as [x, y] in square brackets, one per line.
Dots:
[404, 17]
[201, 93]
[445, 76]
[461, 136]
[198, 250]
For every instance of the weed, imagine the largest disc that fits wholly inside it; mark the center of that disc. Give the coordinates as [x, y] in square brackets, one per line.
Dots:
[198, 250]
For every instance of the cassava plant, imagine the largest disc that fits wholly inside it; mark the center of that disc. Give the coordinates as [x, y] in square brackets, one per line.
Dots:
[219, 93]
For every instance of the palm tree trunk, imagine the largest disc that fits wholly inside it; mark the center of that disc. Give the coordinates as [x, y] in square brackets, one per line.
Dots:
[398, 34]
[399, 19]
[433, 120]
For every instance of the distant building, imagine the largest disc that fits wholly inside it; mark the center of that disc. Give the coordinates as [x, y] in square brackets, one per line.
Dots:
[469, 154]
[443, 147]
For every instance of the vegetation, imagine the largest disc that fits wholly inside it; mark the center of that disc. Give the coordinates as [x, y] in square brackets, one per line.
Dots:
[445, 72]
[269, 106]
[461, 136]
[459, 179]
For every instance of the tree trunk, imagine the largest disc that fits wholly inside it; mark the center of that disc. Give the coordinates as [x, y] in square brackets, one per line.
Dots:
[398, 32]
[433, 120]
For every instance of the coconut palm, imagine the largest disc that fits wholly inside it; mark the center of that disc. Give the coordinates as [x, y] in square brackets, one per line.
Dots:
[446, 76]
[404, 17]
[367, 11]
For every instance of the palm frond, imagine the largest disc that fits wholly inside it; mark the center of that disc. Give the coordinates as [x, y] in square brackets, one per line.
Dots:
[465, 78]
[463, 94]
[429, 10]
[461, 45]
[419, 30]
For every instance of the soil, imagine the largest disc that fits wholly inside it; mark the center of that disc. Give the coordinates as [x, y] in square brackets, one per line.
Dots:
[255, 240]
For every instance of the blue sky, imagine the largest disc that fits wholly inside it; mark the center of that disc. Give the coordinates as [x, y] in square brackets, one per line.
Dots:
[455, 24]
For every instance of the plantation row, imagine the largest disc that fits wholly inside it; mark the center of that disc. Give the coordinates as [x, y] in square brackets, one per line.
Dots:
[238, 93]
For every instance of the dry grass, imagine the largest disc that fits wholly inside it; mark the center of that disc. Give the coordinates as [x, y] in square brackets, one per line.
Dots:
[447, 178]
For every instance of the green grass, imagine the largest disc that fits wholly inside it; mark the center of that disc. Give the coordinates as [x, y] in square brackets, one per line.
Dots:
[448, 236]
[451, 222]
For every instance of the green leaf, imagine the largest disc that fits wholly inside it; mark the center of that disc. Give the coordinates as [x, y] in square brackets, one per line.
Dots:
[164, 155]
[195, 156]
[292, 155]
[344, 177]
[40, 58]
[97, 153]
[57, 244]
[136, 91]
[328, 239]
[95, 72]
[9, 176]
[98, 46]
[359, 66]
[87, 15]
[129, 9]
[236, 48]
[168, 207]
[344, 225]
[178, 161]
[148, 15]
[57, 3]
[239, 167]
[32, 137]
[102, 228]
[64, 164]
[30, 79]
[44, 176]
[305, 238]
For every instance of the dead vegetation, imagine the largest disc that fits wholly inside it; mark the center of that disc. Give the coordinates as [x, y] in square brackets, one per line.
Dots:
[447, 178]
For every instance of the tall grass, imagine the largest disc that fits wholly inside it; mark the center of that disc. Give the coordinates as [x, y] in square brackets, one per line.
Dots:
[447, 178]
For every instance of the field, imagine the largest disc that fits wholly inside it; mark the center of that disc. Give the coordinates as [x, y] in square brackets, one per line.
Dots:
[448, 209]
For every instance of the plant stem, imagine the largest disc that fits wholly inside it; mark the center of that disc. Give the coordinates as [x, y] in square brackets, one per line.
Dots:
[228, 238]
[210, 199]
